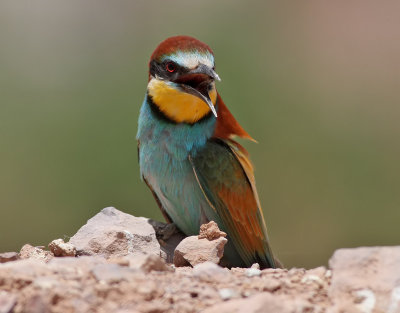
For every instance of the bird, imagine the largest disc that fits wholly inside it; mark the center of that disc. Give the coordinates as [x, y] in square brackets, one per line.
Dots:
[189, 159]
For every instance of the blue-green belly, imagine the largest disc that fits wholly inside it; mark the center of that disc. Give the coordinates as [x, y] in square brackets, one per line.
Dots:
[164, 163]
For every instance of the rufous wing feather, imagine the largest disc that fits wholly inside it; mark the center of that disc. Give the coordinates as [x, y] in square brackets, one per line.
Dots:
[225, 175]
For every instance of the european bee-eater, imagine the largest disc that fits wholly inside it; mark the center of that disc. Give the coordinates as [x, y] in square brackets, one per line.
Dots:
[187, 156]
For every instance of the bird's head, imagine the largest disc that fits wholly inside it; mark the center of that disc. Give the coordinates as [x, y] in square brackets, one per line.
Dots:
[182, 79]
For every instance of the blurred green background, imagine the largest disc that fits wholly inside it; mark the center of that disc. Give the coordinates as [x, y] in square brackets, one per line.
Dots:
[317, 83]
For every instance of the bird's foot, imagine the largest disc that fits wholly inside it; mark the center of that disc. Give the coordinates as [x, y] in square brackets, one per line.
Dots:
[164, 231]
[167, 231]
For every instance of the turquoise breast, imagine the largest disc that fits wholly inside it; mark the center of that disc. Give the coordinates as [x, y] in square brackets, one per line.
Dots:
[163, 158]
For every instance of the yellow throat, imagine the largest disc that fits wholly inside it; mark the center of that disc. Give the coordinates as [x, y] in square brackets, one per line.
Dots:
[177, 105]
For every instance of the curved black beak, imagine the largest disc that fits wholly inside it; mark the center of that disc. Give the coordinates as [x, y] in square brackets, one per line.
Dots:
[198, 82]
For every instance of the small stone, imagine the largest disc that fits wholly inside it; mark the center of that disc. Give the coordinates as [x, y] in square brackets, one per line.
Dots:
[328, 274]
[211, 231]
[211, 272]
[8, 257]
[155, 263]
[31, 252]
[111, 273]
[247, 293]
[309, 279]
[252, 272]
[227, 293]
[7, 302]
[193, 251]
[60, 248]
[271, 284]
[256, 266]
[148, 263]
[121, 261]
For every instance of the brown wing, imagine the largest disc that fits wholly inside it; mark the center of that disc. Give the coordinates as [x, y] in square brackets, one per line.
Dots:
[226, 178]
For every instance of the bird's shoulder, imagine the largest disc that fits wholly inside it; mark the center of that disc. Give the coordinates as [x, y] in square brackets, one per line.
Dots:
[223, 163]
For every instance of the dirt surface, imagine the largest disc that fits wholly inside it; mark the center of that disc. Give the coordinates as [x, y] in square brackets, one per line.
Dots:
[91, 284]
[118, 279]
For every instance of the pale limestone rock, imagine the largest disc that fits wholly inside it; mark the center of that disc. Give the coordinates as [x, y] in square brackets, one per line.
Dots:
[8, 257]
[31, 252]
[211, 272]
[60, 248]
[210, 231]
[113, 233]
[365, 280]
[251, 272]
[207, 246]
[227, 293]
[145, 262]
[193, 251]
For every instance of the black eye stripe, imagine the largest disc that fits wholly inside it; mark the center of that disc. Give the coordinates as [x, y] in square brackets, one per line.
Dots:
[155, 69]
[161, 69]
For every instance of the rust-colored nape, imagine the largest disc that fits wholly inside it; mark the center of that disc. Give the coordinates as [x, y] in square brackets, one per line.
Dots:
[227, 126]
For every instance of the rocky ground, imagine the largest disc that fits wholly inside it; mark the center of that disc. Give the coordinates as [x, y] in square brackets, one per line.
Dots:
[121, 263]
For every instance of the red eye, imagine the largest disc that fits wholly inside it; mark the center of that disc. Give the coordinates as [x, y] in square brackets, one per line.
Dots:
[170, 67]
